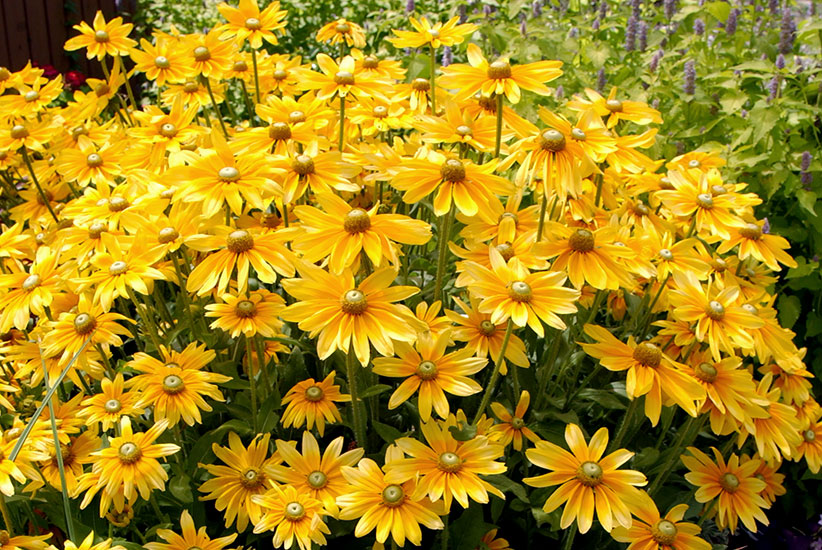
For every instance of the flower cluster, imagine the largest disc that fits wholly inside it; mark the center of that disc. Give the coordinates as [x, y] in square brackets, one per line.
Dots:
[196, 270]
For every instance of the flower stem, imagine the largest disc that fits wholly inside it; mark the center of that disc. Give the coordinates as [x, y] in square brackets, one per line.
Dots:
[356, 413]
[58, 454]
[543, 208]
[686, 433]
[548, 366]
[6, 515]
[259, 347]
[252, 379]
[627, 420]
[568, 541]
[151, 328]
[342, 122]
[217, 113]
[498, 142]
[27, 160]
[433, 78]
[129, 91]
[256, 75]
[486, 398]
[600, 179]
[444, 233]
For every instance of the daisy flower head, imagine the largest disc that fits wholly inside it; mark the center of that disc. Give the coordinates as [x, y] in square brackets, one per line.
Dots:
[102, 37]
[315, 474]
[256, 313]
[615, 109]
[510, 291]
[110, 405]
[427, 369]
[248, 22]
[439, 34]
[243, 475]
[460, 182]
[499, 77]
[342, 31]
[190, 537]
[294, 517]
[734, 483]
[310, 402]
[650, 530]
[588, 481]
[512, 427]
[385, 506]
[346, 316]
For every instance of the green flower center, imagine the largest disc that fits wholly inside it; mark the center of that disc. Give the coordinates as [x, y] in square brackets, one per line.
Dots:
[162, 62]
[294, 511]
[94, 160]
[664, 532]
[729, 482]
[168, 130]
[84, 323]
[706, 372]
[380, 111]
[18, 131]
[344, 78]
[253, 24]
[228, 174]
[167, 235]
[715, 310]
[317, 479]
[705, 200]
[201, 53]
[354, 302]
[520, 291]
[118, 268]
[552, 140]
[614, 105]
[113, 406]
[578, 134]
[118, 204]
[809, 436]
[279, 131]
[453, 170]
[589, 474]
[31, 95]
[487, 328]
[517, 423]
[101, 36]
[370, 62]
[427, 370]
[751, 231]
[31, 282]
[420, 84]
[449, 462]
[303, 164]
[295, 117]
[129, 453]
[393, 495]
[506, 251]
[252, 479]
[314, 393]
[666, 254]
[173, 384]
[245, 309]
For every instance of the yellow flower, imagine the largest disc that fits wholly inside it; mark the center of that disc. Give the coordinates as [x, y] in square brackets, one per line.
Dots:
[650, 372]
[588, 481]
[103, 38]
[498, 77]
[432, 372]
[615, 109]
[509, 291]
[293, 517]
[163, 62]
[22, 542]
[753, 242]
[176, 388]
[75, 454]
[651, 531]
[734, 483]
[446, 468]
[342, 31]
[385, 506]
[31, 292]
[465, 184]
[208, 54]
[248, 22]
[440, 34]
[117, 273]
[342, 79]
[130, 465]
[320, 477]
[513, 426]
[242, 477]
[248, 315]
[353, 231]
[310, 402]
[241, 249]
[349, 316]
[191, 537]
[90, 164]
[110, 405]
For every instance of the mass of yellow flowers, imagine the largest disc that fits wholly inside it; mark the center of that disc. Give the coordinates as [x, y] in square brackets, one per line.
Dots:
[320, 300]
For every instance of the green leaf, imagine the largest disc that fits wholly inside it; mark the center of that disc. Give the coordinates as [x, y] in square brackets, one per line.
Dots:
[508, 486]
[375, 390]
[789, 308]
[463, 432]
[389, 434]
[180, 488]
[807, 200]
[467, 531]
[720, 10]
[606, 398]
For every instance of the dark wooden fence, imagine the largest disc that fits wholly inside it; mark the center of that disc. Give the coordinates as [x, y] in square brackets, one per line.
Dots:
[37, 30]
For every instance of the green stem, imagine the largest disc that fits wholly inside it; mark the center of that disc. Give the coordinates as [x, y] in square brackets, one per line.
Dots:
[151, 328]
[260, 349]
[627, 420]
[217, 113]
[6, 515]
[252, 379]
[568, 541]
[45, 200]
[248, 105]
[685, 434]
[256, 75]
[445, 231]
[183, 294]
[515, 380]
[444, 539]
[707, 512]
[600, 179]
[356, 412]
[486, 398]
[58, 453]
[498, 142]
[129, 91]
[548, 366]
[433, 78]
[342, 123]
[650, 311]
[543, 208]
